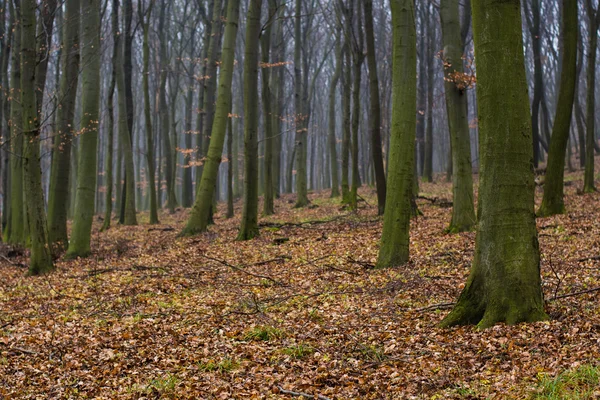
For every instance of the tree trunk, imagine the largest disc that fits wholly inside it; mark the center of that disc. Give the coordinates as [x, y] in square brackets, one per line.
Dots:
[249, 222]
[335, 185]
[148, 118]
[58, 198]
[88, 140]
[588, 179]
[554, 184]
[199, 217]
[40, 258]
[16, 233]
[504, 284]
[301, 113]
[428, 60]
[456, 84]
[267, 75]
[346, 117]
[375, 109]
[395, 236]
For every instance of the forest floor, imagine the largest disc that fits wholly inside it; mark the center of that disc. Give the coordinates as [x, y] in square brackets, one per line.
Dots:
[300, 308]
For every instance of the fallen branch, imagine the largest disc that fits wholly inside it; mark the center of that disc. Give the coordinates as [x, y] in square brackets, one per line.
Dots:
[167, 229]
[439, 306]
[563, 296]
[300, 394]
[593, 258]
[235, 267]
[301, 224]
[443, 203]
[8, 260]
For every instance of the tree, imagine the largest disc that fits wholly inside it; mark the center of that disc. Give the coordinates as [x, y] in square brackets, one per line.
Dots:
[396, 221]
[335, 185]
[40, 259]
[553, 202]
[301, 113]
[456, 84]
[267, 77]
[358, 58]
[15, 233]
[88, 140]
[594, 22]
[111, 119]
[147, 114]
[375, 108]
[504, 284]
[199, 217]
[249, 223]
[58, 199]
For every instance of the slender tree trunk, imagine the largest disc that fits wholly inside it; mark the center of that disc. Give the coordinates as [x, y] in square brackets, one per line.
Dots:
[199, 217]
[428, 160]
[456, 84]
[40, 258]
[230, 167]
[346, 128]
[16, 233]
[58, 198]
[5, 49]
[148, 118]
[335, 184]
[249, 223]
[358, 59]
[504, 284]
[554, 184]
[588, 179]
[538, 77]
[301, 113]
[265, 40]
[394, 250]
[375, 109]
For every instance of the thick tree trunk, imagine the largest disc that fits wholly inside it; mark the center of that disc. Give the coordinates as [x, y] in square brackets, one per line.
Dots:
[249, 222]
[553, 202]
[58, 198]
[504, 284]
[394, 250]
[88, 140]
[456, 84]
[199, 217]
[40, 257]
[375, 109]
[267, 75]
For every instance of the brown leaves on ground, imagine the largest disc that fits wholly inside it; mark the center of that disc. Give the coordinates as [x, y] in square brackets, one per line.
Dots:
[300, 307]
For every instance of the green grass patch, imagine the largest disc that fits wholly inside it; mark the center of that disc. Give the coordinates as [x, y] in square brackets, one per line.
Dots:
[580, 383]
[263, 333]
[298, 351]
[225, 365]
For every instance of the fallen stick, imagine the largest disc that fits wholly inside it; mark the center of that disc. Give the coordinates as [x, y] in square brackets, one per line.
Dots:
[300, 394]
[438, 306]
[235, 267]
[594, 258]
[20, 265]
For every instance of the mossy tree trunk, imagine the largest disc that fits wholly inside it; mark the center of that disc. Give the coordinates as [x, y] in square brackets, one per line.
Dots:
[249, 222]
[16, 231]
[553, 202]
[456, 85]
[88, 141]
[375, 109]
[199, 217]
[504, 284]
[357, 58]
[58, 198]
[395, 236]
[594, 22]
[267, 97]
[40, 258]
[331, 138]
[148, 116]
[6, 25]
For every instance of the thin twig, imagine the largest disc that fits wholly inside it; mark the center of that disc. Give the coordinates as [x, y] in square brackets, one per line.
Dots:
[223, 262]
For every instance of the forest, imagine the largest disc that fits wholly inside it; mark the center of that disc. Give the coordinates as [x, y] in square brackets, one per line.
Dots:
[311, 199]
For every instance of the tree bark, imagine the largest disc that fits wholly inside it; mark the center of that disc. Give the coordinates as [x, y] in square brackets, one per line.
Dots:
[199, 217]
[504, 284]
[456, 85]
[594, 20]
[301, 113]
[553, 202]
[394, 250]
